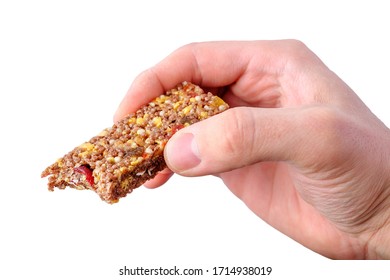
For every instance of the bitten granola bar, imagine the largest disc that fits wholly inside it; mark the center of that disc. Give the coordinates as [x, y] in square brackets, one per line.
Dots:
[123, 157]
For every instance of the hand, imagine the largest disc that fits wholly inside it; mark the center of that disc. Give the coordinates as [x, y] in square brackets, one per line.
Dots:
[298, 146]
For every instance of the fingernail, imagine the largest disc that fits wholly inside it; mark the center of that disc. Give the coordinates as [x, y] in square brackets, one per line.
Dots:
[181, 152]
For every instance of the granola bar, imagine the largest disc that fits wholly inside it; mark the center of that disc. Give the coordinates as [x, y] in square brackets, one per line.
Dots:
[123, 157]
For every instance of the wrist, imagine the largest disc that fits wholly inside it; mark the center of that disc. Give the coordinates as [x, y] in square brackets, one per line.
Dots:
[378, 244]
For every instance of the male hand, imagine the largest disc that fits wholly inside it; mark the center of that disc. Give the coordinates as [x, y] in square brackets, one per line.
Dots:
[298, 146]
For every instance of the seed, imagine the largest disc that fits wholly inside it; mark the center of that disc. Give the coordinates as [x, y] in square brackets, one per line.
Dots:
[221, 107]
[141, 131]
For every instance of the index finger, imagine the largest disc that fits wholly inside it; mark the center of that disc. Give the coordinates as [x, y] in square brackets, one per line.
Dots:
[209, 64]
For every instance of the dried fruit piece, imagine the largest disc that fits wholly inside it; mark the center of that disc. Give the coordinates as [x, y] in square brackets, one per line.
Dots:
[87, 172]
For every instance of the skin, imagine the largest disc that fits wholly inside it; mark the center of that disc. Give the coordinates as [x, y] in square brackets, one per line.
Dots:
[298, 146]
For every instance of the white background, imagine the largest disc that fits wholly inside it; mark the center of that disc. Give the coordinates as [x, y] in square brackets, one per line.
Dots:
[65, 66]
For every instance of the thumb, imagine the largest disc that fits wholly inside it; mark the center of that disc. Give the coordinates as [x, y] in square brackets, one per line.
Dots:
[235, 138]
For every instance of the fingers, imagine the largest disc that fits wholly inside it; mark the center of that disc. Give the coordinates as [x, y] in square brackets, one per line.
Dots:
[160, 179]
[258, 74]
[205, 64]
[210, 65]
[243, 136]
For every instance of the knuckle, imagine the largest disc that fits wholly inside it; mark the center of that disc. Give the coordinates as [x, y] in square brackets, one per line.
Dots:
[295, 44]
[297, 54]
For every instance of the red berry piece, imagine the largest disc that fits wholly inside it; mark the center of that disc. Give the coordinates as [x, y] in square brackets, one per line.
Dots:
[87, 171]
